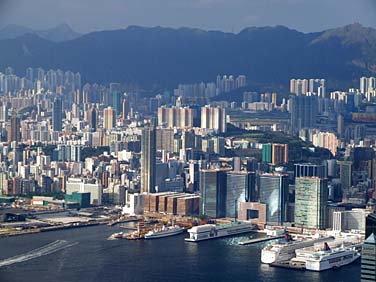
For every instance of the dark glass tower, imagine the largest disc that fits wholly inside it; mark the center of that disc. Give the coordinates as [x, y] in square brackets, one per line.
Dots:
[57, 115]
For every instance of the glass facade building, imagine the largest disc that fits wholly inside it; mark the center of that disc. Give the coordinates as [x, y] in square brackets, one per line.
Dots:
[311, 196]
[274, 192]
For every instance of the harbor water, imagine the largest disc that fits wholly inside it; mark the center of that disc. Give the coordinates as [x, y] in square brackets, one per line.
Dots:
[85, 255]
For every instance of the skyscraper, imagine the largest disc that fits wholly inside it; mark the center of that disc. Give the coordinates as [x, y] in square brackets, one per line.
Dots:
[370, 224]
[148, 162]
[125, 109]
[311, 196]
[274, 192]
[57, 115]
[15, 126]
[310, 170]
[280, 154]
[368, 267]
[304, 109]
[109, 118]
[213, 192]
[240, 187]
[93, 119]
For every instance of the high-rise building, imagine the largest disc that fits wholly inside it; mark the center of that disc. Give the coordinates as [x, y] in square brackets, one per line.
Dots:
[175, 117]
[304, 109]
[109, 118]
[311, 196]
[15, 126]
[267, 153]
[275, 153]
[274, 192]
[213, 118]
[327, 140]
[240, 187]
[370, 224]
[280, 154]
[345, 174]
[368, 264]
[93, 118]
[213, 192]
[57, 115]
[148, 161]
[125, 109]
[310, 170]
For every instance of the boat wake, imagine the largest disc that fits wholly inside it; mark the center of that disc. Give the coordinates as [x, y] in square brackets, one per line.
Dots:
[39, 252]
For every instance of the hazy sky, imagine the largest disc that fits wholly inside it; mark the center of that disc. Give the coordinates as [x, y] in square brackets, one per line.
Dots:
[228, 15]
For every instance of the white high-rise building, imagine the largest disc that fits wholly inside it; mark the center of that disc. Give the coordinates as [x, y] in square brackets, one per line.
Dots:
[213, 118]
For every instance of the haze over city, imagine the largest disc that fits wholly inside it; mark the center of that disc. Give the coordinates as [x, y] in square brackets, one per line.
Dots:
[187, 140]
[226, 15]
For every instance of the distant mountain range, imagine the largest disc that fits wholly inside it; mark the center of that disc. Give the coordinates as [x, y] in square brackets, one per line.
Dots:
[62, 32]
[157, 58]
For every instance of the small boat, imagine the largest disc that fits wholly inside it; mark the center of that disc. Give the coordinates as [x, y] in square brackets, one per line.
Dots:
[119, 235]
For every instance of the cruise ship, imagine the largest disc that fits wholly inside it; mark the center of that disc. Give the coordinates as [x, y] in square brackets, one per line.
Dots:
[284, 249]
[213, 231]
[320, 259]
[164, 232]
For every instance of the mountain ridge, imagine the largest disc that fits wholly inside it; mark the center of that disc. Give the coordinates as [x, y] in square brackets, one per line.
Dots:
[158, 57]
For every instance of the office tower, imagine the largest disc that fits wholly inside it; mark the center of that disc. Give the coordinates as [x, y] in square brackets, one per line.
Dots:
[213, 192]
[116, 97]
[93, 118]
[274, 192]
[311, 196]
[125, 109]
[368, 263]
[148, 162]
[310, 170]
[15, 126]
[267, 153]
[240, 187]
[57, 115]
[213, 118]
[304, 111]
[165, 139]
[3, 113]
[275, 153]
[345, 174]
[280, 154]
[370, 224]
[340, 126]
[194, 175]
[109, 118]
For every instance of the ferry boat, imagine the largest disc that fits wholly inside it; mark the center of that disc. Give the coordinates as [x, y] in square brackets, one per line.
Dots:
[284, 249]
[164, 232]
[213, 231]
[326, 258]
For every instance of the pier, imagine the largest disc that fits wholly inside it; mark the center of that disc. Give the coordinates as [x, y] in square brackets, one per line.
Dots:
[259, 240]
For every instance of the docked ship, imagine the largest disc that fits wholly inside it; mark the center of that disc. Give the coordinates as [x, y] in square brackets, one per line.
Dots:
[213, 231]
[164, 232]
[284, 249]
[320, 259]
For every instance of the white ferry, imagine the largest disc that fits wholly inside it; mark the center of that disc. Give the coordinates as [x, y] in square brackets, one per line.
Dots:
[284, 249]
[164, 232]
[213, 231]
[326, 258]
